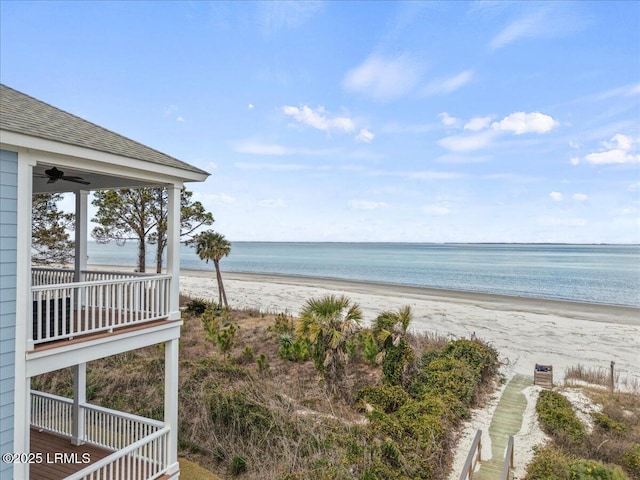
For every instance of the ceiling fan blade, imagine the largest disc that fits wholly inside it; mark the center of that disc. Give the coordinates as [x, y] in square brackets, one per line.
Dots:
[76, 180]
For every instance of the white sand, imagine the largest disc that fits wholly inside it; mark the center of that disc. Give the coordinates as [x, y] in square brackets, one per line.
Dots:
[525, 331]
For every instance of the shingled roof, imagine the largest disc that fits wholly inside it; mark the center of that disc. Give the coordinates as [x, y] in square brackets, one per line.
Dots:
[23, 114]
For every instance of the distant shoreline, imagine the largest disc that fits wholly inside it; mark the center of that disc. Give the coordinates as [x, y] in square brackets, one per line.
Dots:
[584, 310]
[601, 312]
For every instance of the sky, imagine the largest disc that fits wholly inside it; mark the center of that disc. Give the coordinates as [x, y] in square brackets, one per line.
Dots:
[362, 121]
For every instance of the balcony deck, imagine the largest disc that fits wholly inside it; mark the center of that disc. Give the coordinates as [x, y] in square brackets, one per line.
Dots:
[50, 444]
[102, 334]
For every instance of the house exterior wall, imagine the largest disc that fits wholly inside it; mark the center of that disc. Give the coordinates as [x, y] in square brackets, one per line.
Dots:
[8, 268]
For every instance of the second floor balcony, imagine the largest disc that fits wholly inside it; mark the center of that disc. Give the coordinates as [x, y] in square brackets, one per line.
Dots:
[102, 302]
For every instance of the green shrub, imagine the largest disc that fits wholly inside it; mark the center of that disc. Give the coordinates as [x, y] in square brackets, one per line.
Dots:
[283, 324]
[558, 419]
[481, 357]
[196, 307]
[395, 362]
[262, 363]
[370, 348]
[238, 465]
[247, 355]
[607, 424]
[387, 398]
[548, 463]
[631, 460]
[592, 470]
[293, 350]
[447, 375]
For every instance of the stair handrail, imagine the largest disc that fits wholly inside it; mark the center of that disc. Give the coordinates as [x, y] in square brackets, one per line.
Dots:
[472, 458]
[508, 460]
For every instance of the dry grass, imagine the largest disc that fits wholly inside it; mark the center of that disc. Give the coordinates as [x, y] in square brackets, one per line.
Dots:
[579, 375]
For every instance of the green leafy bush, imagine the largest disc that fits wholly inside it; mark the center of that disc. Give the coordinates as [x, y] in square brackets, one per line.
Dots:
[607, 424]
[387, 398]
[592, 470]
[293, 350]
[558, 419]
[631, 460]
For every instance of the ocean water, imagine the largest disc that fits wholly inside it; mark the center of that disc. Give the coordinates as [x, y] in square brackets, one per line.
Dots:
[608, 274]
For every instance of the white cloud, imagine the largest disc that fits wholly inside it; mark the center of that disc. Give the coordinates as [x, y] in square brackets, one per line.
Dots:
[467, 143]
[448, 85]
[274, 149]
[477, 123]
[318, 119]
[574, 160]
[437, 209]
[634, 186]
[250, 106]
[384, 79]
[556, 196]
[562, 221]
[276, 16]
[272, 203]
[218, 198]
[180, 119]
[573, 144]
[261, 149]
[581, 197]
[367, 205]
[447, 119]
[551, 22]
[212, 166]
[365, 136]
[278, 167]
[521, 122]
[619, 150]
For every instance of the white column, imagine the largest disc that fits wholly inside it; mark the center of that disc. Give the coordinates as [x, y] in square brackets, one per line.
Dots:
[173, 250]
[171, 401]
[24, 325]
[79, 399]
[81, 229]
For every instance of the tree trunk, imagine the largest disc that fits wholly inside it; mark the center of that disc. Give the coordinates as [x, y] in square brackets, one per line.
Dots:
[222, 296]
[161, 245]
[142, 255]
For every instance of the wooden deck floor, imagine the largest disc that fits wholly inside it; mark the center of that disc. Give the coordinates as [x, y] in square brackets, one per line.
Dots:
[92, 336]
[60, 458]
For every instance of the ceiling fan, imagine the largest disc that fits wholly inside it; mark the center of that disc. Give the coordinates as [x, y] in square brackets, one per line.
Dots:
[53, 174]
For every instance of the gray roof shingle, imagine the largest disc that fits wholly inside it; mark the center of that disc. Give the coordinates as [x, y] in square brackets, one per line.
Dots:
[23, 114]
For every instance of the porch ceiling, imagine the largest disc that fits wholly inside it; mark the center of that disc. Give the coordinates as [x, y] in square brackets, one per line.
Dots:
[97, 181]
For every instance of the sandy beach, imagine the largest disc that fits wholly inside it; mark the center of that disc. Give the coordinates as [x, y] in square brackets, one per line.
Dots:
[525, 331]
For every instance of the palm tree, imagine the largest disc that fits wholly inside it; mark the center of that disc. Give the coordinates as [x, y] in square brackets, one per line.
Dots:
[390, 331]
[329, 323]
[213, 246]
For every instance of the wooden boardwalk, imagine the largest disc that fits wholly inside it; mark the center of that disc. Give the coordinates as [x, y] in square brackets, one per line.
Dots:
[506, 421]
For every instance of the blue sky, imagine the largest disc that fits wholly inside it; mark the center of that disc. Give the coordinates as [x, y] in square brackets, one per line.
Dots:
[354, 121]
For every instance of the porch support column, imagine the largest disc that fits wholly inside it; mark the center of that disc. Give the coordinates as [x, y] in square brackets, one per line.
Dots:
[173, 250]
[81, 229]
[79, 399]
[171, 401]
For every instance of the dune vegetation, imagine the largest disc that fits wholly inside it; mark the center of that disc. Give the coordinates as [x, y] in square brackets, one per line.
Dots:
[270, 396]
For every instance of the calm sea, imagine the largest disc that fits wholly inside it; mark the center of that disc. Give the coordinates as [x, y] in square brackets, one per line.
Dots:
[588, 273]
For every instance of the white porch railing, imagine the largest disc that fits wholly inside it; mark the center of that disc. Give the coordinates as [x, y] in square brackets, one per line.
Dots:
[52, 276]
[104, 301]
[140, 444]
